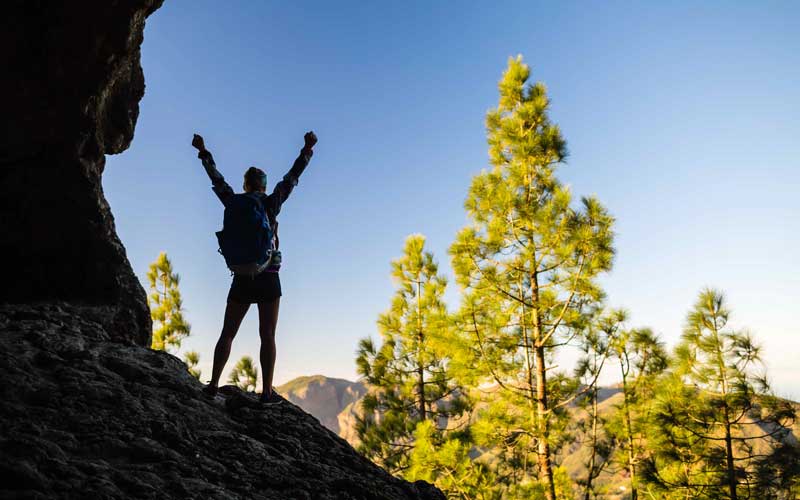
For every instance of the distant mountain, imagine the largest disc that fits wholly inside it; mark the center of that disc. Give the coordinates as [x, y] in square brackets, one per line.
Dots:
[335, 401]
[331, 400]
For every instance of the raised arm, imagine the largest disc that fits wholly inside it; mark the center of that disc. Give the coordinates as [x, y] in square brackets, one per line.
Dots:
[218, 184]
[285, 187]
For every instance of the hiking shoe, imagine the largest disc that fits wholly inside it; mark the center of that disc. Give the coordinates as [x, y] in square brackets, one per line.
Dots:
[210, 391]
[271, 400]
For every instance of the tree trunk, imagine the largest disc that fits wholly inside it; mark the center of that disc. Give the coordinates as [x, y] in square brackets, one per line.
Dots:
[543, 422]
[731, 472]
[588, 493]
[421, 391]
[545, 467]
[420, 365]
[729, 457]
[629, 432]
[528, 376]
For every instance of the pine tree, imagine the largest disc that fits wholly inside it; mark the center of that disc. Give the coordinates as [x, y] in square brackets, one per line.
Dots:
[528, 263]
[444, 459]
[166, 306]
[244, 375]
[596, 345]
[717, 420]
[642, 359]
[192, 358]
[407, 374]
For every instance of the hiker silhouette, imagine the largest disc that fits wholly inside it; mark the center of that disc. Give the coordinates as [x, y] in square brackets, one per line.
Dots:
[249, 244]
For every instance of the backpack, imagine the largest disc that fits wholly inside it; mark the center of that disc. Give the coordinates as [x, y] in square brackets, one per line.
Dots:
[247, 241]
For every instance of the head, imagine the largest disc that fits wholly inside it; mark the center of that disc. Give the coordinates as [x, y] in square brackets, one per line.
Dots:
[255, 180]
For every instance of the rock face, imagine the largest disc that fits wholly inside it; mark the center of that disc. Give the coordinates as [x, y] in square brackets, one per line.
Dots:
[70, 92]
[86, 417]
[87, 410]
[325, 398]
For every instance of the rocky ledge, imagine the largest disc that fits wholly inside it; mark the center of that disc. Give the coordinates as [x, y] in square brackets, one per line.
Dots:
[87, 417]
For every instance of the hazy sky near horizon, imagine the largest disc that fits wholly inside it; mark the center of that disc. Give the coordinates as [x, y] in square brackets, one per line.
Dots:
[681, 117]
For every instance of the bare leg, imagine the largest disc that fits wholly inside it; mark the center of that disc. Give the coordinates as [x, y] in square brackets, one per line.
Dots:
[267, 322]
[234, 314]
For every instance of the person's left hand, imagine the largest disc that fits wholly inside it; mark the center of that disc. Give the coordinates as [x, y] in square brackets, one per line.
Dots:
[197, 142]
[310, 139]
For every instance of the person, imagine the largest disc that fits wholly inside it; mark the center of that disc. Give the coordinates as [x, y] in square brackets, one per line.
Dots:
[264, 288]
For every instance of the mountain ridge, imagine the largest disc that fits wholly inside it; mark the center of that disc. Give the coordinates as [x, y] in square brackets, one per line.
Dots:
[332, 401]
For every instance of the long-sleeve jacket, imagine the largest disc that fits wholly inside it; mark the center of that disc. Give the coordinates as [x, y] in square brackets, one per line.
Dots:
[271, 202]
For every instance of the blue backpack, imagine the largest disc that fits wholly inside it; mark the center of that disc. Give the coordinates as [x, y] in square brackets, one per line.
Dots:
[247, 241]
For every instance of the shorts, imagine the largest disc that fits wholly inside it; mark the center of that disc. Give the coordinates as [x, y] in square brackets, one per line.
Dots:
[264, 287]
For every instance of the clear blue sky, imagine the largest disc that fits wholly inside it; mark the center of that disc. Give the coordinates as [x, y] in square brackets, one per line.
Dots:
[682, 118]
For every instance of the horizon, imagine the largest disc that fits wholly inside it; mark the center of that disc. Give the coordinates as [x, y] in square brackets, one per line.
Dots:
[672, 114]
[614, 385]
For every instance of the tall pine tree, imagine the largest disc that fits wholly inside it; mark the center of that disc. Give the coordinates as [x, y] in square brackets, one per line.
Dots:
[407, 373]
[716, 420]
[166, 306]
[528, 263]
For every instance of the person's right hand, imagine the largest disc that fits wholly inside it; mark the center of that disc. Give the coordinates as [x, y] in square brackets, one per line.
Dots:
[197, 142]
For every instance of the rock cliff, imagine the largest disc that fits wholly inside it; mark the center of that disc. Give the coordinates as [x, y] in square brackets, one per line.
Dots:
[87, 410]
[70, 92]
